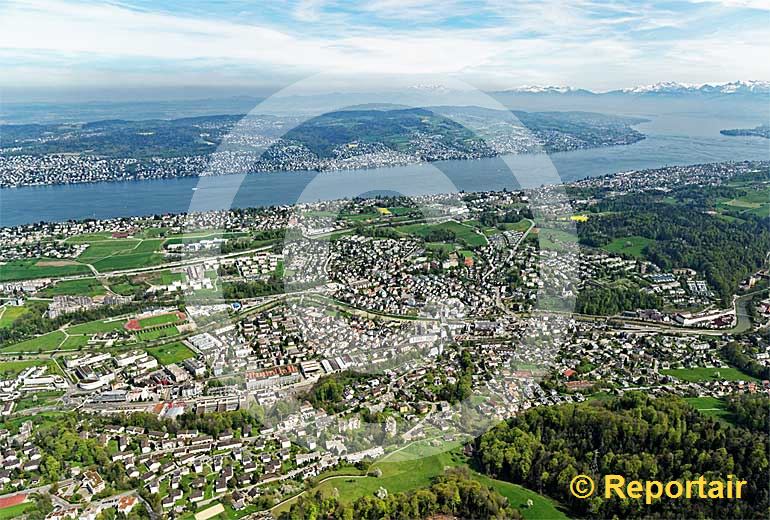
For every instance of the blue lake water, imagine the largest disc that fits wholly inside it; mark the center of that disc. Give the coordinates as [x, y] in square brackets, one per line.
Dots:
[669, 142]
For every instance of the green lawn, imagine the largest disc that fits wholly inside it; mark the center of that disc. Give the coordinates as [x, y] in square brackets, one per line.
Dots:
[698, 374]
[9, 313]
[40, 268]
[84, 287]
[171, 353]
[42, 343]
[96, 327]
[38, 399]
[633, 246]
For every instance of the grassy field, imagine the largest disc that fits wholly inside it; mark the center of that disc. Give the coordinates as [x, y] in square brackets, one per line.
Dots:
[44, 343]
[755, 201]
[463, 233]
[162, 319]
[74, 342]
[84, 287]
[96, 327]
[17, 510]
[171, 353]
[402, 472]
[633, 246]
[40, 268]
[9, 313]
[125, 253]
[542, 507]
[556, 239]
[10, 369]
[697, 374]
[712, 407]
[128, 261]
[153, 334]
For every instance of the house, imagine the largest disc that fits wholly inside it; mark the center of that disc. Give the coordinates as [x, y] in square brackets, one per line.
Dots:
[126, 504]
[93, 482]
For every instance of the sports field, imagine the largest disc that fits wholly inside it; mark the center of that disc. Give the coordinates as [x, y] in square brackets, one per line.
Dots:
[161, 319]
[159, 333]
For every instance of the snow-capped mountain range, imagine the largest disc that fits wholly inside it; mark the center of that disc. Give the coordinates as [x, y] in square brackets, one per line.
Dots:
[663, 88]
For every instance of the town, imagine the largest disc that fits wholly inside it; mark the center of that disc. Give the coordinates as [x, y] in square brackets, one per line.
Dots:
[227, 362]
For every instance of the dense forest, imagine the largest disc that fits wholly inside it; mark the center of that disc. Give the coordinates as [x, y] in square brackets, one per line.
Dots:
[607, 301]
[454, 494]
[640, 438]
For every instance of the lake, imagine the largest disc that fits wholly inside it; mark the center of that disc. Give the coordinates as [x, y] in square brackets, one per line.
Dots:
[671, 140]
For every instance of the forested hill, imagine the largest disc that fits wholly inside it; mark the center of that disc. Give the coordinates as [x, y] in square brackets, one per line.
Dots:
[689, 227]
[640, 438]
[409, 130]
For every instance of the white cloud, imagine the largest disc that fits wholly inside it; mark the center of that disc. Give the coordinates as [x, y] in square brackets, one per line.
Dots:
[555, 41]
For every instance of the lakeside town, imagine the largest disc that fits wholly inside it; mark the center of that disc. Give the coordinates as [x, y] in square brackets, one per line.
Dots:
[226, 362]
[35, 155]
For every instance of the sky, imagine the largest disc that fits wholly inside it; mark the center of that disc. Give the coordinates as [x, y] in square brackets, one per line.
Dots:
[258, 47]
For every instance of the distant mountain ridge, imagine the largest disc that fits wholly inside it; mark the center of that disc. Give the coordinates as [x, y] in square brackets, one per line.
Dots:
[749, 87]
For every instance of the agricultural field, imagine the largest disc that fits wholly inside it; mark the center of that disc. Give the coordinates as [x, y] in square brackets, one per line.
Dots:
[113, 254]
[171, 353]
[698, 374]
[756, 201]
[40, 268]
[83, 287]
[633, 246]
